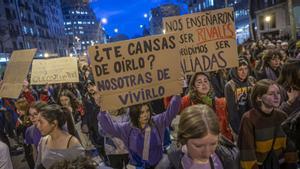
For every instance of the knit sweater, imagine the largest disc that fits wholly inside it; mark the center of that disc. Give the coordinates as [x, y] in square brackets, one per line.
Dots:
[256, 137]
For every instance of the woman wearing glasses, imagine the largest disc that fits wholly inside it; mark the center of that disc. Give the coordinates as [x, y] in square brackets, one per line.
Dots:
[32, 134]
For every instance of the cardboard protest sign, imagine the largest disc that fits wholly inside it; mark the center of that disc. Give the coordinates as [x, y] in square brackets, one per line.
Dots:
[136, 71]
[208, 40]
[57, 70]
[16, 72]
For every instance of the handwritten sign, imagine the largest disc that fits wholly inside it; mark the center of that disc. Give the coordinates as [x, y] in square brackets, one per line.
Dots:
[16, 72]
[208, 40]
[136, 71]
[51, 71]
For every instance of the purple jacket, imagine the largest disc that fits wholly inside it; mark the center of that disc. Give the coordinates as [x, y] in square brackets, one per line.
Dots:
[133, 137]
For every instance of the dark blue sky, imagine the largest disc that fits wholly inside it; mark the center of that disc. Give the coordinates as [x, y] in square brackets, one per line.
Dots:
[125, 15]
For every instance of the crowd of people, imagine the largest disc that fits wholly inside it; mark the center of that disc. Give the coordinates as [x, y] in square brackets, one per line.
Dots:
[244, 117]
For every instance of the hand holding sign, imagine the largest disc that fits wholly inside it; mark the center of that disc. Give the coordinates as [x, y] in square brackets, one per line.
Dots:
[136, 71]
[207, 40]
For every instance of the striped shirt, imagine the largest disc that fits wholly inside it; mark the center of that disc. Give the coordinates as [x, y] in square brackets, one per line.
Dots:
[256, 138]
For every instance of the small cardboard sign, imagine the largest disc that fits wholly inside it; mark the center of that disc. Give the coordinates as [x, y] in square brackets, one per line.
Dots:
[16, 72]
[57, 70]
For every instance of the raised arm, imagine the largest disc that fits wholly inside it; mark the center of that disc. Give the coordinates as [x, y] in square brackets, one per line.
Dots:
[164, 119]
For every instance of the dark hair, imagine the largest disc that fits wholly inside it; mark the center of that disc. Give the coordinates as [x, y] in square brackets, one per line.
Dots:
[193, 93]
[260, 88]
[243, 61]
[135, 113]
[270, 55]
[61, 115]
[38, 105]
[73, 100]
[290, 74]
[196, 122]
[79, 163]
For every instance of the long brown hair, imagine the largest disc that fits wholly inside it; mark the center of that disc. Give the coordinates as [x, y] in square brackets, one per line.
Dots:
[193, 93]
[290, 74]
[61, 115]
[73, 100]
[135, 113]
[261, 87]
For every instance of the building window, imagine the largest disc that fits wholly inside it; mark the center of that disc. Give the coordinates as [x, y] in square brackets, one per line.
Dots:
[261, 23]
[15, 45]
[31, 31]
[7, 12]
[24, 29]
[21, 45]
[79, 22]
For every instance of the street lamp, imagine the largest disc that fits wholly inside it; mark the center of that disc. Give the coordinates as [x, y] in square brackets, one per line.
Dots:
[104, 20]
[268, 19]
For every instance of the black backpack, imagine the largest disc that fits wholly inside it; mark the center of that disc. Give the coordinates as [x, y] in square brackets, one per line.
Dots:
[291, 126]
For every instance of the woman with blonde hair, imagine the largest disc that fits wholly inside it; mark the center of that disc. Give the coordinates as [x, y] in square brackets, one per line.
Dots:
[202, 146]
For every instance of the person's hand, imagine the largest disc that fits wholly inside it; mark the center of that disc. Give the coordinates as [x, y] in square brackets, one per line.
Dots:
[292, 94]
[97, 96]
[25, 86]
[46, 87]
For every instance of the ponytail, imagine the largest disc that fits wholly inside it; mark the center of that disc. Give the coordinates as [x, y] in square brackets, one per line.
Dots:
[70, 122]
[61, 115]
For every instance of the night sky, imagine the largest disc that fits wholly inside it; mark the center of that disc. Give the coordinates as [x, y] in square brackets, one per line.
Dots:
[125, 15]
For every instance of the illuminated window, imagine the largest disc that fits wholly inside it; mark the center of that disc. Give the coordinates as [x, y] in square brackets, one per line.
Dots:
[79, 22]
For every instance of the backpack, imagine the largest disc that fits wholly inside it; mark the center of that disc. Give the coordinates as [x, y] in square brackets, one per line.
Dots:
[291, 126]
